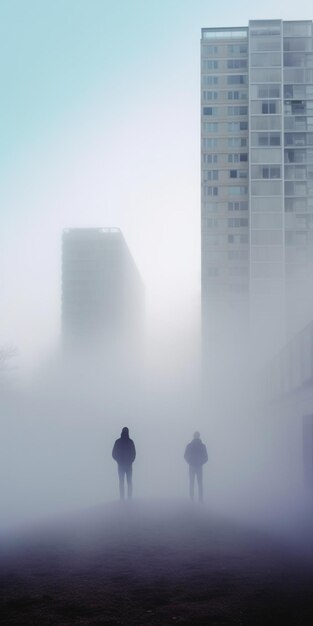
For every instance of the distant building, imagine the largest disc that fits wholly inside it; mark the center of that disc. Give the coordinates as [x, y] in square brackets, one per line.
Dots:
[257, 174]
[102, 292]
[286, 387]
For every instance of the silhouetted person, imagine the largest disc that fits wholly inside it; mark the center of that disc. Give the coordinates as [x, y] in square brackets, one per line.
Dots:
[196, 456]
[124, 453]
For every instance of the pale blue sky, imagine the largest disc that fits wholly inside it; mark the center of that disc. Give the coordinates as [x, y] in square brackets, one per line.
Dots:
[99, 126]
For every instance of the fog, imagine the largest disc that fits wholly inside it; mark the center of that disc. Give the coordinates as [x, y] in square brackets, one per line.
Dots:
[78, 162]
[59, 424]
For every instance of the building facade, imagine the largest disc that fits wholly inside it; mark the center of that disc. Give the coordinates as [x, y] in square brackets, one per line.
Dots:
[102, 292]
[257, 173]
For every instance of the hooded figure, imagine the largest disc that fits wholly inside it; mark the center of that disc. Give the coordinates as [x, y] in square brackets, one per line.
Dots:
[124, 453]
[196, 456]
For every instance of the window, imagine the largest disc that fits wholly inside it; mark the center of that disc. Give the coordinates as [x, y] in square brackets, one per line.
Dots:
[295, 204]
[266, 122]
[303, 29]
[208, 143]
[237, 95]
[265, 171]
[294, 75]
[242, 238]
[237, 79]
[295, 43]
[295, 189]
[298, 172]
[265, 43]
[294, 59]
[237, 191]
[208, 50]
[266, 187]
[210, 111]
[261, 155]
[266, 59]
[211, 175]
[237, 142]
[271, 172]
[295, 156]
[209, 80]
[210, 191]
[265, 91]
[237, 157]
[236, 127]
[269, 107]
[238, 206]
[209, 95]
[237, 110]
[270, 75]
[265, 139]
[209, 158]
[295, 139]
[237, 49]
[210, 127]
[208, 65]
[236, 63]
[238, 173]
[237, 222]
[295, 91]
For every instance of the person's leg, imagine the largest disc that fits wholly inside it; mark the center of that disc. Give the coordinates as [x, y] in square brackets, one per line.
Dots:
[200, 482]
[121, 476]
[191, 481]
[129, 476]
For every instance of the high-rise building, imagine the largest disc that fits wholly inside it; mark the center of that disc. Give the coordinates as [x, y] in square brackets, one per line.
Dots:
[257, 171]
[102, 292]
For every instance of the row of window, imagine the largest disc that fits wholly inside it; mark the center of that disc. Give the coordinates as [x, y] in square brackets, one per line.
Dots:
[213, 271]
[231, 110]
[232, 79]
[298, 92]
[265, 171]
[230, 191]
[215, 207]
[298, 59]
[236, 238]
[208, 95]
[299, 107]
[212, 64]
[298, 155]
[211, 50]
[214, 174]
[298, 172]
[214, 127]
[260, 44]
[209, 143]
[263, 222]
[266, 123]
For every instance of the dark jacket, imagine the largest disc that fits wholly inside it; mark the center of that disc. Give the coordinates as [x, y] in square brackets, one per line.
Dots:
[124, 451]
[196, 453]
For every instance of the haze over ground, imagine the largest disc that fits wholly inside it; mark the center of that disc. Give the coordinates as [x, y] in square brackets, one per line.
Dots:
[101, 128]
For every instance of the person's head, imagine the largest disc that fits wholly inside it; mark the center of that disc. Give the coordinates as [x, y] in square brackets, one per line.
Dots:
[196, 435]
[125, 432]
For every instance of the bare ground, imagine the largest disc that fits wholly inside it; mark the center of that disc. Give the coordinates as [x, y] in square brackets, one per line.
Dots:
[151, 563]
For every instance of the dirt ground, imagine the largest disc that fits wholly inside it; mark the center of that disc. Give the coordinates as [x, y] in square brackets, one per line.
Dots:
[151, 563]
